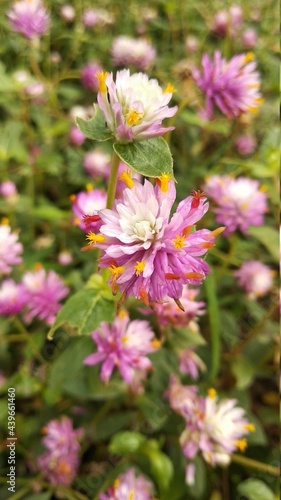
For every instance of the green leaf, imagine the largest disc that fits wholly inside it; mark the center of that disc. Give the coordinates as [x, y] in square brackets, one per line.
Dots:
[254, 489]
[244, 372]
[95, 128]
[126, 442]
[150, 158]
[161, 467]
[268, 237]
[83, 312]
[214, 317]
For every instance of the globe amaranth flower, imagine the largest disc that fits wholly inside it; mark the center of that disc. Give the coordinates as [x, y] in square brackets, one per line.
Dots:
[169, 313]
[249, 38]
[8, 189]
[134, 106]
[245, 144]
[10, 249]
[227, 21]
[29, 18]
[190, 363]
[215, 427]
[128, 486]
[241, 202]
[232, 86]
[255, 278]
[128, 51]
[123, 344]
[85, 206]
[43, 290]
[12, 297]
[89, 75]
[148, 256]
[60, 461]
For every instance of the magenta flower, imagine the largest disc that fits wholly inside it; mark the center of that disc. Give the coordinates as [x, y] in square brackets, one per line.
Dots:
[12, 297]
[255, 278]
[89, 76]
[190, 363]
[249, 38]
[245, 144]
[8, 189]
[86, 205]
[169, 313]
[97, 163]
[123, 344]
[241, 202]
[232, 86]
[29, 18]
[149, 257]
[10, 249]
[134, 106]
[128, 486]
[128, 51]
[43, 291]
[76, 137]
[60, 462]
[181, 397]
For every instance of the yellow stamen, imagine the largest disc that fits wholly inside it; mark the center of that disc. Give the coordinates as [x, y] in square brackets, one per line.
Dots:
[5, 221]
[250, 56]
[123, 313]
[139, 267]
[169, 89]
[179, 241]
[241, 444]
[250, 427]
[95, 238]
[124, 339]
[63, 467]
[89, 187]
[258, 101]
[131, 495]
[164, 182]
[115, 271]
[263, 188]
[72, 197]
[155, 343]
[207, 244]
[127, 178]
[194, 276]
[216, 232]
[76, 221]
[212, 393]
[116, 483]
[38, 266]
[101, 76]
[133, 117]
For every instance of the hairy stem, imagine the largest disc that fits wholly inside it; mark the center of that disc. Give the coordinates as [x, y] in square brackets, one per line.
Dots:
[254, 464]
[112, 180]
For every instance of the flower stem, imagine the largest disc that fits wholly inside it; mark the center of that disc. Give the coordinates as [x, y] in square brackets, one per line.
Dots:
[213, 312]
[254, 464]
[112, 180]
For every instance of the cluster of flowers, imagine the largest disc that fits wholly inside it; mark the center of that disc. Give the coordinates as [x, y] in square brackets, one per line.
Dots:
[60, 462]
[229, 23]
[39, 292]
[216, 428]
[129, 486]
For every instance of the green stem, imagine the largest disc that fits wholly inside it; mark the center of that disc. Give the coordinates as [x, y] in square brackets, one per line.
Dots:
[254, 464]
[20, 494]
[112, 180]
[213, 313]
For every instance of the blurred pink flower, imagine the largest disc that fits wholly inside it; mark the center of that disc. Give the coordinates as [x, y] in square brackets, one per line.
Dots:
[191, 44]
[245, 144]
[128, 486]
[43, 290]
[128, 51]
[190, 363]
[123, 344]
[134, 106]
[8, 189]
[65, 258]
[10, 249]
[60, 462]
[249, 38]
[227, 22]
[147, 255]
[89, 75]
[67, 12]
[241, 202]
[232, 86]
[76, 137]
[169, 313]
[12, 297]
[85, 207]
[181, 397]
[29, 18]
[255, 278]
[97, 163]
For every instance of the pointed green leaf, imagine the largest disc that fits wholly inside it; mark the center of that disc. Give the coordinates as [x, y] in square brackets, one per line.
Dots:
[83, 312]
[126, 442]
[95, 128]
[254, 489]
[151, 158]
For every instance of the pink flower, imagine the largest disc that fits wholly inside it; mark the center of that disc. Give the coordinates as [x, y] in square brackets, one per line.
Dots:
[123, 344]
[255, 278]
[8, 189]
[241, 202]
[169, 313]
[249, 38]
[97, 163]
[227, 22]
[12, 297]
[181, 397]
[129, 486]
[90, 18]
[67, 12]
[76, 137]
[134, 106]
[191, 44]
[60, 462]
[65, 258]
[245, 144]
[190, 363]
[89, 76]
[10, 249]
[86, 205]
[216, 428]
[29, 18]
[149, 257]
[43, 291]
[232, 86]
[128, 51]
